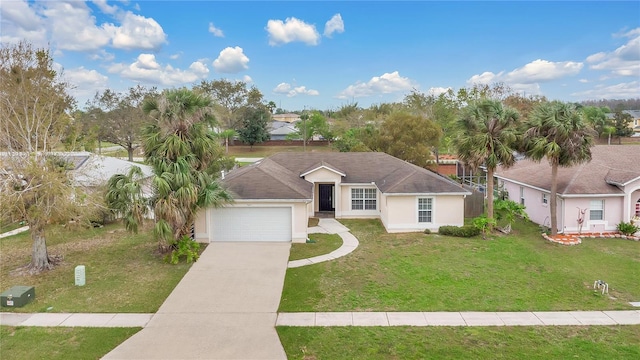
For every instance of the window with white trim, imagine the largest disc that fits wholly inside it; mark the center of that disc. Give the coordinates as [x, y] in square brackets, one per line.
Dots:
[596, 210]
[363, 199]
[545, 198]
[425, 210]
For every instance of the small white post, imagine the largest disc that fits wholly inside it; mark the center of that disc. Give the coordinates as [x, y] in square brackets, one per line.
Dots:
[80, 276]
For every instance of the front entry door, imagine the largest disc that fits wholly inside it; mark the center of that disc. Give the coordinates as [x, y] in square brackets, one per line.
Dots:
[326, 197]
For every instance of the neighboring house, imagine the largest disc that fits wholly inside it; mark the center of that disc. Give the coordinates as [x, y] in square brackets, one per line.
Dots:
[278, 130]
[602, 193]
[91, 170]
[635, 120]
[275, 197]
[94, 170]
[289, 118]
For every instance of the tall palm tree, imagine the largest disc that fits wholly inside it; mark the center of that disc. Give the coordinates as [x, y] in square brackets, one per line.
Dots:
[487, 136]
[184, 153]
[558, 132]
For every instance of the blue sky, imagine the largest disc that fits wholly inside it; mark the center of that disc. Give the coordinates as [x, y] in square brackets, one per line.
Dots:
[324, 55]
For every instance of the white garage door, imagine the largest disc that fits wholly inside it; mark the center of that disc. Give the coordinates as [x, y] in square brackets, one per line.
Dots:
[251, 224]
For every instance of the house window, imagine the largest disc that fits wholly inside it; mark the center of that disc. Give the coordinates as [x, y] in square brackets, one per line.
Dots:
[425, 210]
[596, 210]
[545, 199]
[363, 199]
[638, 207]
[521, 195]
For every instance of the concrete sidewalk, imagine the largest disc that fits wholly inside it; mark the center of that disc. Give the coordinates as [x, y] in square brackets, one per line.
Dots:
[536, 318]
[75, 319]
[310, 319]
[224, 308]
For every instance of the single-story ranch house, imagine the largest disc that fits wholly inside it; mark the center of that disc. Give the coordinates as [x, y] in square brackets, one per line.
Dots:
[275, 197]
[592, 197]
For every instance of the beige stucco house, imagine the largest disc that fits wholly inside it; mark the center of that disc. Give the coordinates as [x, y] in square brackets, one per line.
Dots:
[275, 197]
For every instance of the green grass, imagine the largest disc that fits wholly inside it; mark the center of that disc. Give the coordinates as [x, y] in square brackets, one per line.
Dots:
[417, 272]
[265, 151]
[60, 342]
[548, 342]
[323, 244]
[123, 271]
[8, 227]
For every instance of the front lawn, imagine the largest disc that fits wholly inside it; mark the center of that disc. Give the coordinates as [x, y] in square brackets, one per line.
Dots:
[60, 342]
[543, 342]
[320, 244]
[418, 272]
[123, 272]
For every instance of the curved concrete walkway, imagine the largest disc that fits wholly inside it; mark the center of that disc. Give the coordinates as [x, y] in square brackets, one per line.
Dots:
[329, 226]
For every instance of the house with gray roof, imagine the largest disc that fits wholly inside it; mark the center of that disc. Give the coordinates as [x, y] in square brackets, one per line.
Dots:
[275, 197]
[592, 197]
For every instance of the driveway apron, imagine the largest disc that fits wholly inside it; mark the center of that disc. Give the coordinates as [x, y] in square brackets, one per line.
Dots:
[224, 308]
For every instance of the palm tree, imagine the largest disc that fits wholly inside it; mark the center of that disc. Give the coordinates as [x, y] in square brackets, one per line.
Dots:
[125, 198]
[487, 136]
[184, 154]
[558, 132]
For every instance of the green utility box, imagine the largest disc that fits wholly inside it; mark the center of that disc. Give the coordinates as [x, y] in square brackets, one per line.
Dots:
[17, 296]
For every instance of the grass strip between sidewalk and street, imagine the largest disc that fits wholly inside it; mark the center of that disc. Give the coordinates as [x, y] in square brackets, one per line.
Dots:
[54, 343]
[541, 342]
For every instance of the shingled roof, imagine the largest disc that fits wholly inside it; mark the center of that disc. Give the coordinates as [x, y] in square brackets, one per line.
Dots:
[279, 176]
[611, 166]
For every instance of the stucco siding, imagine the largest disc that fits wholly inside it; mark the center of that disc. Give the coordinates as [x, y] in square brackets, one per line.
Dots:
[613, 210]
[344, 197]
[400, 213]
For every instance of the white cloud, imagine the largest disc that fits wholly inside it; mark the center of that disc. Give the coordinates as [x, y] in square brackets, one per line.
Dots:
[247, 79]
[146, 69]
[385, 84]
[72, 27]
[102, 55]
[628, 90]
[542, 71]
[486, 77]
[291, 30]
[435, 91]
[528, 77]
[20, 14]
[138, 32]
[334, 25]
[231, 60]
[175, 56]
[104, 7]
[215, 31]
[584, 81]
[623, 61]
[291, 91]
[85, 82]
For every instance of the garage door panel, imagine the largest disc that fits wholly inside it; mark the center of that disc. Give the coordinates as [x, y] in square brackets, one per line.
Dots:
[251, 224]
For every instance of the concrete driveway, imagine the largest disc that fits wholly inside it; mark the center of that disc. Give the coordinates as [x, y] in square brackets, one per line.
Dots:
[224, 308]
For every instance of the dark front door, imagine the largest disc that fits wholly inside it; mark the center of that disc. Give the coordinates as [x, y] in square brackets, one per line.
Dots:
[326, 197]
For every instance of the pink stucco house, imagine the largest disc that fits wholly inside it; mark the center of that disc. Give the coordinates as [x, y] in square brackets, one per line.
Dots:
[274, 198]
[592, 197]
